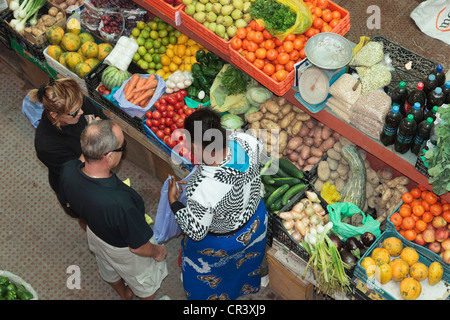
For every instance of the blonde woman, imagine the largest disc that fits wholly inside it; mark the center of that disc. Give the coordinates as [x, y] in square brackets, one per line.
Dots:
[66, 113]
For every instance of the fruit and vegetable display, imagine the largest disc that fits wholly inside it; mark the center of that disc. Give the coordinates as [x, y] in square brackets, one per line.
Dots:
[76, 50]
[424, 219]
[69, 4]
[10, 291]
[25, 14]
[163, 49]
[400, 271]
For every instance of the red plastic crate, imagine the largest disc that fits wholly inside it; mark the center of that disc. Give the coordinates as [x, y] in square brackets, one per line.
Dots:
[217, 42]
[165, 8]
[280, 88]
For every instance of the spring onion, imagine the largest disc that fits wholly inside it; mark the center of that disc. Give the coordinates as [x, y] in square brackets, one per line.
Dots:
[325, 262]
[27, 9]
[14, 5]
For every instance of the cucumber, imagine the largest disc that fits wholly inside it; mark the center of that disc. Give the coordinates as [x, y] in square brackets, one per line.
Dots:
[290, 181]
[267, 180]
[268, 188]
[277, 194]
[277, 205]
[282, 174]
[292, 192]
[290, 168]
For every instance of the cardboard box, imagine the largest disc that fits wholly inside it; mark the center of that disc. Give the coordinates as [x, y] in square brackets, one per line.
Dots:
[42, 38]
[287, 284]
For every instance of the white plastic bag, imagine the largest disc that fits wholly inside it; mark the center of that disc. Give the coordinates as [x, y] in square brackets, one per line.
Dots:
[433, 18]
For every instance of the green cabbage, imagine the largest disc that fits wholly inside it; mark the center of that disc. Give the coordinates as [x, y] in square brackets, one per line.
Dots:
[257, 95]
[231, 121]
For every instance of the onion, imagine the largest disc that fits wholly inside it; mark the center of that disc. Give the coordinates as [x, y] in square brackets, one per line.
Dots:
[298, 207]
[286, 215]
[312, 196]
[315, 220]
[318, 209]
[296, 236]
[288, 224]
[309, 211]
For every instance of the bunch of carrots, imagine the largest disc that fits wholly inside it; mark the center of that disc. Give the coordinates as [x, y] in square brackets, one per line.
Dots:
[139, 90]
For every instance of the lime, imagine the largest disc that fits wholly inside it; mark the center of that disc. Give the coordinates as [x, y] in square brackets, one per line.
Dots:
[136, 57]
[148, 44]
[158, 66]
[152, 65]
[144, 65]
[153, 25]
[147, 28]
[139, 62]
[152, 50]
[156, 44]
[148, 57]
[157, 19]
[177, 33]
[162, 50]
[140, 41]
[165, 41]
[140, 25]
[156, 58]
[149, 70]
[173, 40]
[142, 51]
[154, 34]
[145, 34]
[135, 32]
[162, 25]
[170, 28]
[162, 33]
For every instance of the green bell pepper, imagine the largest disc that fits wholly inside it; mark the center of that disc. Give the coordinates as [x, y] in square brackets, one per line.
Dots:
[11, 295]
[23, 293]
[4, 281]
[201, 56]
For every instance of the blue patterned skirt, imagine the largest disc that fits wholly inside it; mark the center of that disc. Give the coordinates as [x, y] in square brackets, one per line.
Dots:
[225, 267]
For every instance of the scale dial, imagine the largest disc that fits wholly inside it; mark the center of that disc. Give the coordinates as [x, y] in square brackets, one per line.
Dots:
[313, 85]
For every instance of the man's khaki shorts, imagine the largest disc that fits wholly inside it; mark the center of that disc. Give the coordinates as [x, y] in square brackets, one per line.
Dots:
[143, 275]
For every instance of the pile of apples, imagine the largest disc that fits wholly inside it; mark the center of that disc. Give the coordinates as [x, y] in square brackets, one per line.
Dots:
[436, 238]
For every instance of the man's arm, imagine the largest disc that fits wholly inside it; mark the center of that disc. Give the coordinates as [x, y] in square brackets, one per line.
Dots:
[155, 251]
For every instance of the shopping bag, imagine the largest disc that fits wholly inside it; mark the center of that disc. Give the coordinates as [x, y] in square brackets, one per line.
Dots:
[432, 17]
[137, 111]
[347, 209]
[165, 226]
[33, 110]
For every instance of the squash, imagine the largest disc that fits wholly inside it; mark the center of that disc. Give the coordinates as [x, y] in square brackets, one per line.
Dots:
[410, 289]
[113, 77]
[355, 188]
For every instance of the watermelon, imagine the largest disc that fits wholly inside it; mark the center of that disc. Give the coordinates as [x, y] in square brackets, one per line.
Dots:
[113, 77]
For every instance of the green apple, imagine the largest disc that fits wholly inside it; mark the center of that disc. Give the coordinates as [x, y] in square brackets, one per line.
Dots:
[162, 50]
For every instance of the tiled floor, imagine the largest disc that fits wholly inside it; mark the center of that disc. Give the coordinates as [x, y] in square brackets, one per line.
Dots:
[39, 242]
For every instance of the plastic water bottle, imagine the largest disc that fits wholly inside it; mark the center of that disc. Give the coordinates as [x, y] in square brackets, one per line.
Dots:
[417, 112]
[416, 95]
[399, 95]
[422, 135]
[434, 98]
[391, 123]
[429, 84]
[446, 91]
[440, 74]
[431, 113]
[405, 134]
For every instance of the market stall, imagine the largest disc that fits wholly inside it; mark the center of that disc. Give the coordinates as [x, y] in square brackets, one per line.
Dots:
[355, 211]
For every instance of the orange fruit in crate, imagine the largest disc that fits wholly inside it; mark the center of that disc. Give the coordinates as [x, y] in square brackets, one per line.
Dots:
[380, 256]
[418, 271]
[408, 223]
[89, 49]
[396, 219]
[70, 42]
[82, 69]
[54, 51]
[393, 245]
[410, 289]
[72, 59]
[383, 273]
[400, 269]
[409, 255]
[55, 34]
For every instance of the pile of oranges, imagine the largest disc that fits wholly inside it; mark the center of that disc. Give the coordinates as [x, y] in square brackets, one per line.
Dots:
[420, 207]
[275, 57]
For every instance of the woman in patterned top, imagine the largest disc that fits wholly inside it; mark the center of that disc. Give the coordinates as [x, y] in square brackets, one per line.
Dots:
[224, 220]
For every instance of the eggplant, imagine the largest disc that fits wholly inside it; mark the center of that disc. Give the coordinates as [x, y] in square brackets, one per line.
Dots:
[352, 245]
[336, 240]
[368, 239]
[347, 257]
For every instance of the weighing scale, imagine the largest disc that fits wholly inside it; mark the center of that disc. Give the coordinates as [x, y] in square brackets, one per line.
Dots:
[327, 57]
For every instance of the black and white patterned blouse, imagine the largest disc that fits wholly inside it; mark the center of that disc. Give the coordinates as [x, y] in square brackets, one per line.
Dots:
[221, 199]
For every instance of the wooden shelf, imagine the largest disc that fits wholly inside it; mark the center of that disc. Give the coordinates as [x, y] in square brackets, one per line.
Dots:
[404, 164]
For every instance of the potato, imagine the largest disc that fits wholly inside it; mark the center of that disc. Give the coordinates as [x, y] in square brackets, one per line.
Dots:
[342, 170]
[303, 130]
[372, 176]
[296, 127]
[300, 161]
[339, 184]
[270, 125]
[333, 154]
[335, 135]
[385, 174]
[318, 185]
[308, 141]
[327, 144]
[337, 146]
[326, 132]
[70, 2]
[294, 143]
[333, 174]
[282, 140]
[323, 171]
[271, 116]
[317, 142]
[305, 153]
[317, 132]
[302, 116]
[333, 164]
[399, 180]
[287, 119]
[308, 167]
[345, 141]
[294, 156]
[316, 152]
[53, 11]
[254, 116]
[280, 100]
[63, 5]
[369, 190]
[58, 1]
[311, 123]
[286, 109]
[313, 160]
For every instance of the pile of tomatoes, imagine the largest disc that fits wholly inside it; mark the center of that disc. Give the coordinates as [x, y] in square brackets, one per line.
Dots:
[168, 115]
[275, 57]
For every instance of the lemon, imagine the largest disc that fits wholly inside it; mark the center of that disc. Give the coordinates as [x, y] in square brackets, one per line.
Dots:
[177, 60]
[173, 67]
[165, 60]
[170, 53]
[160, 73]
[188, 67]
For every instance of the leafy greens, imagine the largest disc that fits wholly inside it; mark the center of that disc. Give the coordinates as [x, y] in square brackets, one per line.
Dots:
[276, 16]
[439, 156]
[234, 80]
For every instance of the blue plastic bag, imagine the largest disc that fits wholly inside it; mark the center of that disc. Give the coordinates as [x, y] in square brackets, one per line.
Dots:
[32, 110]
[165, 226]
[134, 110]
